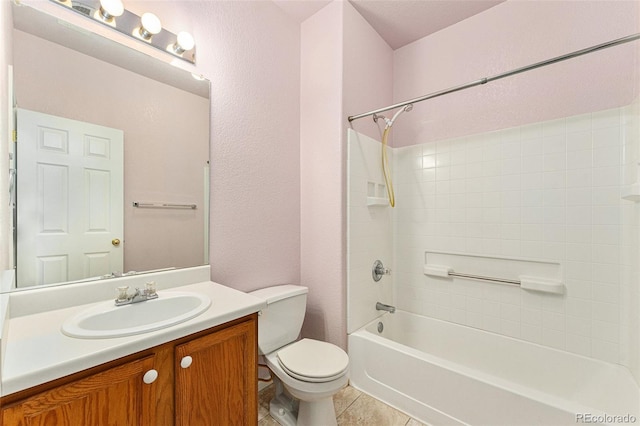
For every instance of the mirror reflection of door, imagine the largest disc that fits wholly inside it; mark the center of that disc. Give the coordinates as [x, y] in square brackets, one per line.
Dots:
[70, 197]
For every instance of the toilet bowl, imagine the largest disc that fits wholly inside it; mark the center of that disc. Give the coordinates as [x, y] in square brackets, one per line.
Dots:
[307, 372]
[315, 394]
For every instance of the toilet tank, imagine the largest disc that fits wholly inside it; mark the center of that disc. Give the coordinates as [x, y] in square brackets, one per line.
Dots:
[281, 321]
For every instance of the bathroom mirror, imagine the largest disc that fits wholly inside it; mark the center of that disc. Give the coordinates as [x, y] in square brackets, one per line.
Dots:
[148, 209]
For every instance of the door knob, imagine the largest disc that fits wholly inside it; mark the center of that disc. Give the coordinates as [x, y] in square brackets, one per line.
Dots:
[115, 242]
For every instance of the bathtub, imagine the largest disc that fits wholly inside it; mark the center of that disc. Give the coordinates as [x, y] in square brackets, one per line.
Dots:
[443, 373]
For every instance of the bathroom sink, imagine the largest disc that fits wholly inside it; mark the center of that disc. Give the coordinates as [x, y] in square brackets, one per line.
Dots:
[106, 320]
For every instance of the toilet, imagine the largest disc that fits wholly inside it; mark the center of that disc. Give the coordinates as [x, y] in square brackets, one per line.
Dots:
[306, 373]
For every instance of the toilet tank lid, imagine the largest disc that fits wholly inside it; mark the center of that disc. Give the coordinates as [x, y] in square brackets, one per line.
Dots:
[279, 292]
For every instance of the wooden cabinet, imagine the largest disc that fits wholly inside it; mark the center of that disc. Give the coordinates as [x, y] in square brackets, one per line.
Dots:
[117, 396]
[212, 387]
[208, 378]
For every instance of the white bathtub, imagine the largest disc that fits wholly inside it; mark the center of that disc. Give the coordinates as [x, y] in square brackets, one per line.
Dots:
[443, 373]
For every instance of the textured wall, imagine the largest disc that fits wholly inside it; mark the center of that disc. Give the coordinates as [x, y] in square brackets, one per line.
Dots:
[321, 176]
[346, 67]
[367, 73]
[251, 53]
[511, 35]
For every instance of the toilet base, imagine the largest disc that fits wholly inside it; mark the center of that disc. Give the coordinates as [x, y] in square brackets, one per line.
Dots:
[283, 407]
[317, 413]
[289, 411]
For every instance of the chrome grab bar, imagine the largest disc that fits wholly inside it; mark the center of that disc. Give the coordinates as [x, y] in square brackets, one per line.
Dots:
[482, 277]
[164, 206]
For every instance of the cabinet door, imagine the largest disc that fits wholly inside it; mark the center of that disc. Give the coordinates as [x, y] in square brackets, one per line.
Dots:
[219, 386]
[117, 396]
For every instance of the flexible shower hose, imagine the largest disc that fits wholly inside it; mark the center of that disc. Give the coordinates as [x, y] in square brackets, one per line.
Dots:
[385, 168]
[385, 159]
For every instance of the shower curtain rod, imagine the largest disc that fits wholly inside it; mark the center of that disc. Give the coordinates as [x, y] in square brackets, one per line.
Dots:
[485, 80]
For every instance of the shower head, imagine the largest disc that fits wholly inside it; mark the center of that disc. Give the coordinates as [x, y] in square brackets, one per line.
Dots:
[406, 108]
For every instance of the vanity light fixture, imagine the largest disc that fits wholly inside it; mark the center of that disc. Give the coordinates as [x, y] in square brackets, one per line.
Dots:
[109, 10]
[146, 28]
[149, 26]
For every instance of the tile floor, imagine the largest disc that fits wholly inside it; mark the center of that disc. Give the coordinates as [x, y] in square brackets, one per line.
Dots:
[353, 408]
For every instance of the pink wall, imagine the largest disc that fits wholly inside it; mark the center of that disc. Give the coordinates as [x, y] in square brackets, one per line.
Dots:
[345, 66]
[367, 73]
[321, 178]
[511, 35]
[138, 106]
[251, 53]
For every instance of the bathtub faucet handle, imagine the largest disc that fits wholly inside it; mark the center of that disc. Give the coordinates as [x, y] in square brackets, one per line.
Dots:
[379, 270]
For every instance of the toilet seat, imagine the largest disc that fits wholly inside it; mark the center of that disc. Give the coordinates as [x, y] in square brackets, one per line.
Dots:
[313, 361]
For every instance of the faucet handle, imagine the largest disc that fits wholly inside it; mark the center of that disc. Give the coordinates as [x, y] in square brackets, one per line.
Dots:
[379, 270]
[122, 293]
[150, 288]
[383, 271]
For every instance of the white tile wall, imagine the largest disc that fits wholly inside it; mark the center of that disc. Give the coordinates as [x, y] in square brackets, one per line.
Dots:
[549, 191]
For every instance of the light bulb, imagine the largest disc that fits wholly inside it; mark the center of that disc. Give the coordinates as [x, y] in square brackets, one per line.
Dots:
[110, 9]
[150, 25]
[185, 42]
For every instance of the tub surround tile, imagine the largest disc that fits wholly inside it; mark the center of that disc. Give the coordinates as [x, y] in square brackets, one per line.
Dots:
[370, 233]
[547, 191]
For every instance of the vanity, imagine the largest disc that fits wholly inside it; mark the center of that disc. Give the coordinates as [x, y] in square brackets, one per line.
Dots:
[200, 371]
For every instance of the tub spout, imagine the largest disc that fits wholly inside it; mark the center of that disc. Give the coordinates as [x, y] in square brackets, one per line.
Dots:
[383, 307]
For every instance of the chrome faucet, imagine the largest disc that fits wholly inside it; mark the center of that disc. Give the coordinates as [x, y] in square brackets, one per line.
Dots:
[383, 307]
[138, 296]
[378, 270]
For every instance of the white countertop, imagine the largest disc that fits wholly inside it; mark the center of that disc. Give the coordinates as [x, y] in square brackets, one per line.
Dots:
[36, 351]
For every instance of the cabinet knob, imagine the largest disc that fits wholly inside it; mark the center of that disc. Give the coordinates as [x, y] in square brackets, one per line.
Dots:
[186, 362]
[150, 376]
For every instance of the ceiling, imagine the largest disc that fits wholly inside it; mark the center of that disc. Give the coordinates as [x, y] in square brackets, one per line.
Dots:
[399, 22]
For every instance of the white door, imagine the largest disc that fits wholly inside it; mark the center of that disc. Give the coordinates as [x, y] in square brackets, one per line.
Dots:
[69, 199]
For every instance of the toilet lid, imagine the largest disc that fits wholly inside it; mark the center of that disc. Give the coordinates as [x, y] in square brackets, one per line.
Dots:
[313, 361]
